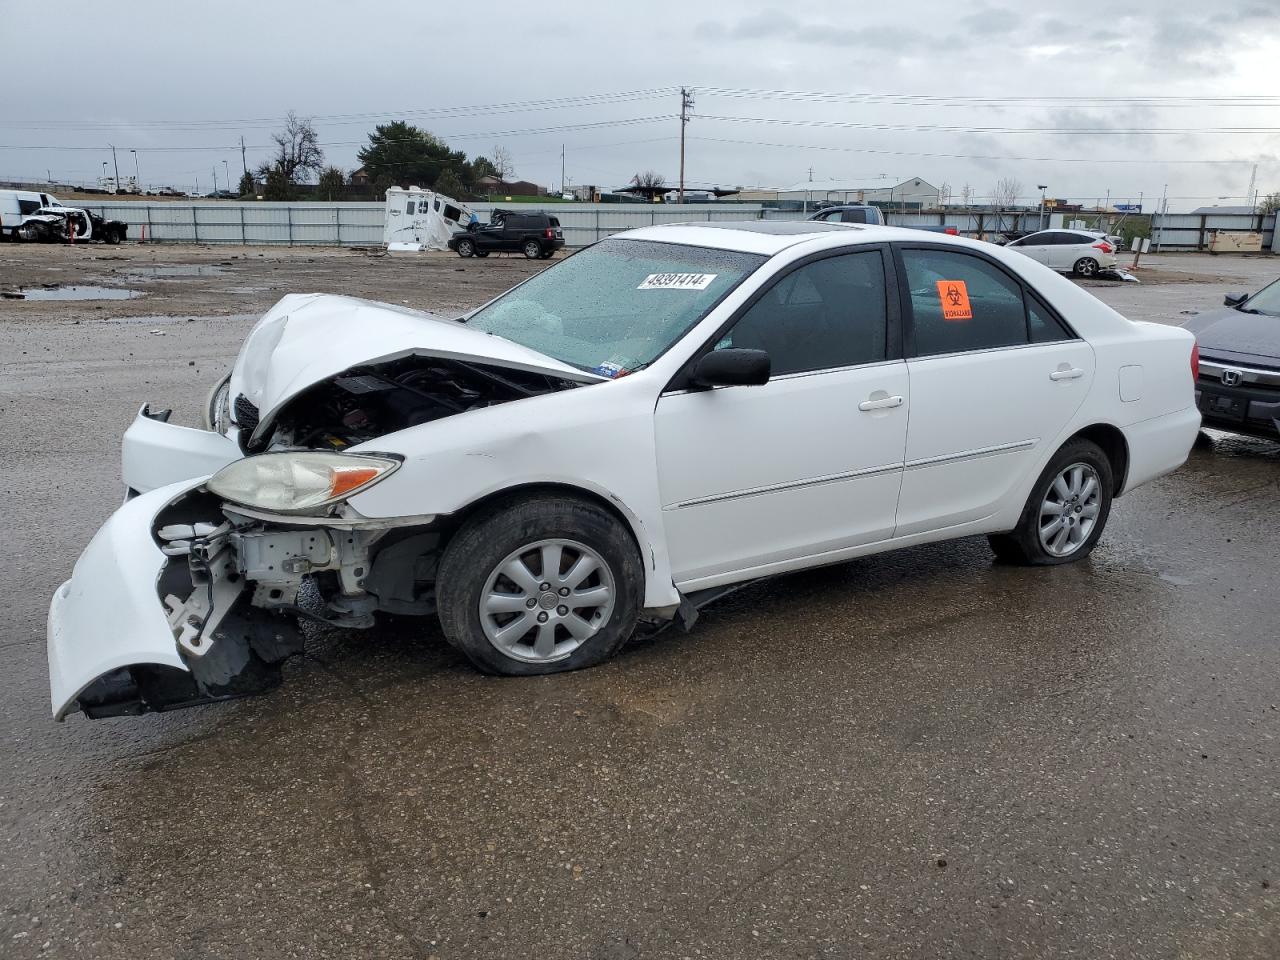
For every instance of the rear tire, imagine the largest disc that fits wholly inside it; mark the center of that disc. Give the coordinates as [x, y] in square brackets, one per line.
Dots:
[1085, 267]
[513, 596]
[466, 247]
[532, 249]
[1066, 511]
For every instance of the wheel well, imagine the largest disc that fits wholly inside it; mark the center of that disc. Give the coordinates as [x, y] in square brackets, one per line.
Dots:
[1114, 445]
[498, 499]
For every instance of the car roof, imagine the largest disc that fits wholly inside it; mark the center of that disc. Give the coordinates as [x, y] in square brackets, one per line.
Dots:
[773, 236]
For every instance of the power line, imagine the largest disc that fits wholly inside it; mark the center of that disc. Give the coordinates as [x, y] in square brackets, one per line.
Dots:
[968, 156]
[955, 128]
[524, 106]
[911, 99]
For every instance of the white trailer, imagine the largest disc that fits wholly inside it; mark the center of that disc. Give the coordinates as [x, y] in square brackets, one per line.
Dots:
[418, 219]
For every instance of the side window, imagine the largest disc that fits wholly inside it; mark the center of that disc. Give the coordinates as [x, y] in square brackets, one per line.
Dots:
[28, 207]
[408, 208]
[825, 314]
[452, 213]
[854, 216]
[961, 302]
[1043, 326]
[437, 202]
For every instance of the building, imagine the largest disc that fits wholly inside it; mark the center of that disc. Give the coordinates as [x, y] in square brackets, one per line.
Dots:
[913, 193]
[515, 188]
[360, 178]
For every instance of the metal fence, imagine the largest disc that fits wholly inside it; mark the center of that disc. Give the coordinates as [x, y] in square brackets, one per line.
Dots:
[360, 224]
[1194, 231]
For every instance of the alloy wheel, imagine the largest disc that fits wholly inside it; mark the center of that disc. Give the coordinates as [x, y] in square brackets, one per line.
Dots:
[544, 600]
[1069, 510]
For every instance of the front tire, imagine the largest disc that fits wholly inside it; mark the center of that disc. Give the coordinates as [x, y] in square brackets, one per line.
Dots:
[532, 249]
[1085, 267]
[1066, 512]
[466, 247]
[540, 586]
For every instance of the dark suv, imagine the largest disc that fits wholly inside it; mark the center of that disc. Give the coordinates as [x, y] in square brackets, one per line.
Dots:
[533, 234]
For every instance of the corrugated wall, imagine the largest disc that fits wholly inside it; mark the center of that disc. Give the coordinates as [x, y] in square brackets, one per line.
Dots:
[360, 224]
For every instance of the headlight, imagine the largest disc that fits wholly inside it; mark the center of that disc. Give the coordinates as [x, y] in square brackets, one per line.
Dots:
[298, 482]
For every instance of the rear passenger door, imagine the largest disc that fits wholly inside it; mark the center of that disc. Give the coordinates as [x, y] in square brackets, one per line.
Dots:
[995, 377]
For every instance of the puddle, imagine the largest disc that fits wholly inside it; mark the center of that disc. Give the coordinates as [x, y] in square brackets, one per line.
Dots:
[181, 270]
[79, 293]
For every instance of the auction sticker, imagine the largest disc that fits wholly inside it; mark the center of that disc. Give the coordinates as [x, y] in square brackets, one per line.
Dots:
[955, 300]
[677, 281]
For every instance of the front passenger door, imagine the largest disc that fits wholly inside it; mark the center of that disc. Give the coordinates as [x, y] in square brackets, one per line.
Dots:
[760, 478]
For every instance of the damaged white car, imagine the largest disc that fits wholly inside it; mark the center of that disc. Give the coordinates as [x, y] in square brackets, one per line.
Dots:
[666, 414]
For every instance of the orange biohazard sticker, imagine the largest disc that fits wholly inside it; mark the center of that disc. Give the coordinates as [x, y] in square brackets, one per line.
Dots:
[955, 300]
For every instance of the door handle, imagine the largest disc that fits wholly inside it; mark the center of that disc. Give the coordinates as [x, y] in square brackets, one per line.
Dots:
[1075, 373]
[884, 403]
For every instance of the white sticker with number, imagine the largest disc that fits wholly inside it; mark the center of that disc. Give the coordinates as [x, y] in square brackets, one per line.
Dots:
[677, 281]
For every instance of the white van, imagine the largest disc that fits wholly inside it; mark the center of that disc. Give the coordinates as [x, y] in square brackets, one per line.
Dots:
[17, 205]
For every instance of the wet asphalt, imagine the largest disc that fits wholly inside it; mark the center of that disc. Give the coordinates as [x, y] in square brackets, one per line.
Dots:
[923, 754]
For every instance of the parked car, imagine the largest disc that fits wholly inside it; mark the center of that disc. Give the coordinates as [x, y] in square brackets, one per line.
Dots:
[669, 412]
[1239, 384]
[536, 235]
[1069, 251]
[850, 213]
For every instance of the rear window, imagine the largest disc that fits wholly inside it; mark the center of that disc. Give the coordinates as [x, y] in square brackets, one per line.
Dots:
[555, 221]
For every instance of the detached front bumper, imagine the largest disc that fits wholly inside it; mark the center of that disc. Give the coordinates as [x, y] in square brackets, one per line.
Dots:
[108, 615]
[155, 452]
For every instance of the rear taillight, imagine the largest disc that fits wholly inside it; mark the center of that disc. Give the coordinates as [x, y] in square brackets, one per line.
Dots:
[1104, 247]
[549, 234]
[952, 231]
[1195, 361]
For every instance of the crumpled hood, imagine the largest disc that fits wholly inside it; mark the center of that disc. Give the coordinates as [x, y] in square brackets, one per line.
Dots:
[306, 338]
[1230, 331]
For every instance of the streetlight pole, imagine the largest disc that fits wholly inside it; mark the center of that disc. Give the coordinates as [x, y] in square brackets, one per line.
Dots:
[137, 174]
[1043, 187]
[227, 171]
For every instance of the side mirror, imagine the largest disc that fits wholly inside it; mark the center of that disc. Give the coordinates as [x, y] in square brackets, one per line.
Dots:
[1235, 298]
[732, 367]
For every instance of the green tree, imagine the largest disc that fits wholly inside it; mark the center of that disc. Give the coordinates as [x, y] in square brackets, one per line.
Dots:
[1269, 204]
[449, 184]
[408, 155]
[480, 167]
[331, 185]
[247, 186]
[277, 185]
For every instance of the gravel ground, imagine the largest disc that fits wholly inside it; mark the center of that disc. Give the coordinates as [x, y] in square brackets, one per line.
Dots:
[917, 755]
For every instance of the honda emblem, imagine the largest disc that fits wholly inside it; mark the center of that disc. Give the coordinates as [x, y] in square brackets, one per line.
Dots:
[1231, 378]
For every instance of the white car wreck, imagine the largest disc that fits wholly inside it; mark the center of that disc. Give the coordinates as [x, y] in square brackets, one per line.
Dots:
[670, 412]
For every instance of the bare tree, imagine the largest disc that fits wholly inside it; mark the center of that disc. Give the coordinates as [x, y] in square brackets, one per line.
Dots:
[1269, 204]
[1005, 193]
[503, 168]
[297, 155]
[966, 194]
[649, 178]
[944, 194]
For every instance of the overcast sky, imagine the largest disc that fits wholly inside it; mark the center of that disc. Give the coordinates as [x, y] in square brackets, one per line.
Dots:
[181, 83]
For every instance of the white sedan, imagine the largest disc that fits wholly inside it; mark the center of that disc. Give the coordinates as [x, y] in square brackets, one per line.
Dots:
[667, 413]
[1069, 251]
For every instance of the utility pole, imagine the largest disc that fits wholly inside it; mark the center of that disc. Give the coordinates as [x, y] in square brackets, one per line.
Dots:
[562, 169]
[686, 104]
[215, 183]
[243, 162]
[1043, 187]
[811, 174]
[117, 166]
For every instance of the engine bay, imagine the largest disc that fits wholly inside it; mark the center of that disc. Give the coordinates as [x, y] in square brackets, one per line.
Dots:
[366, 402]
